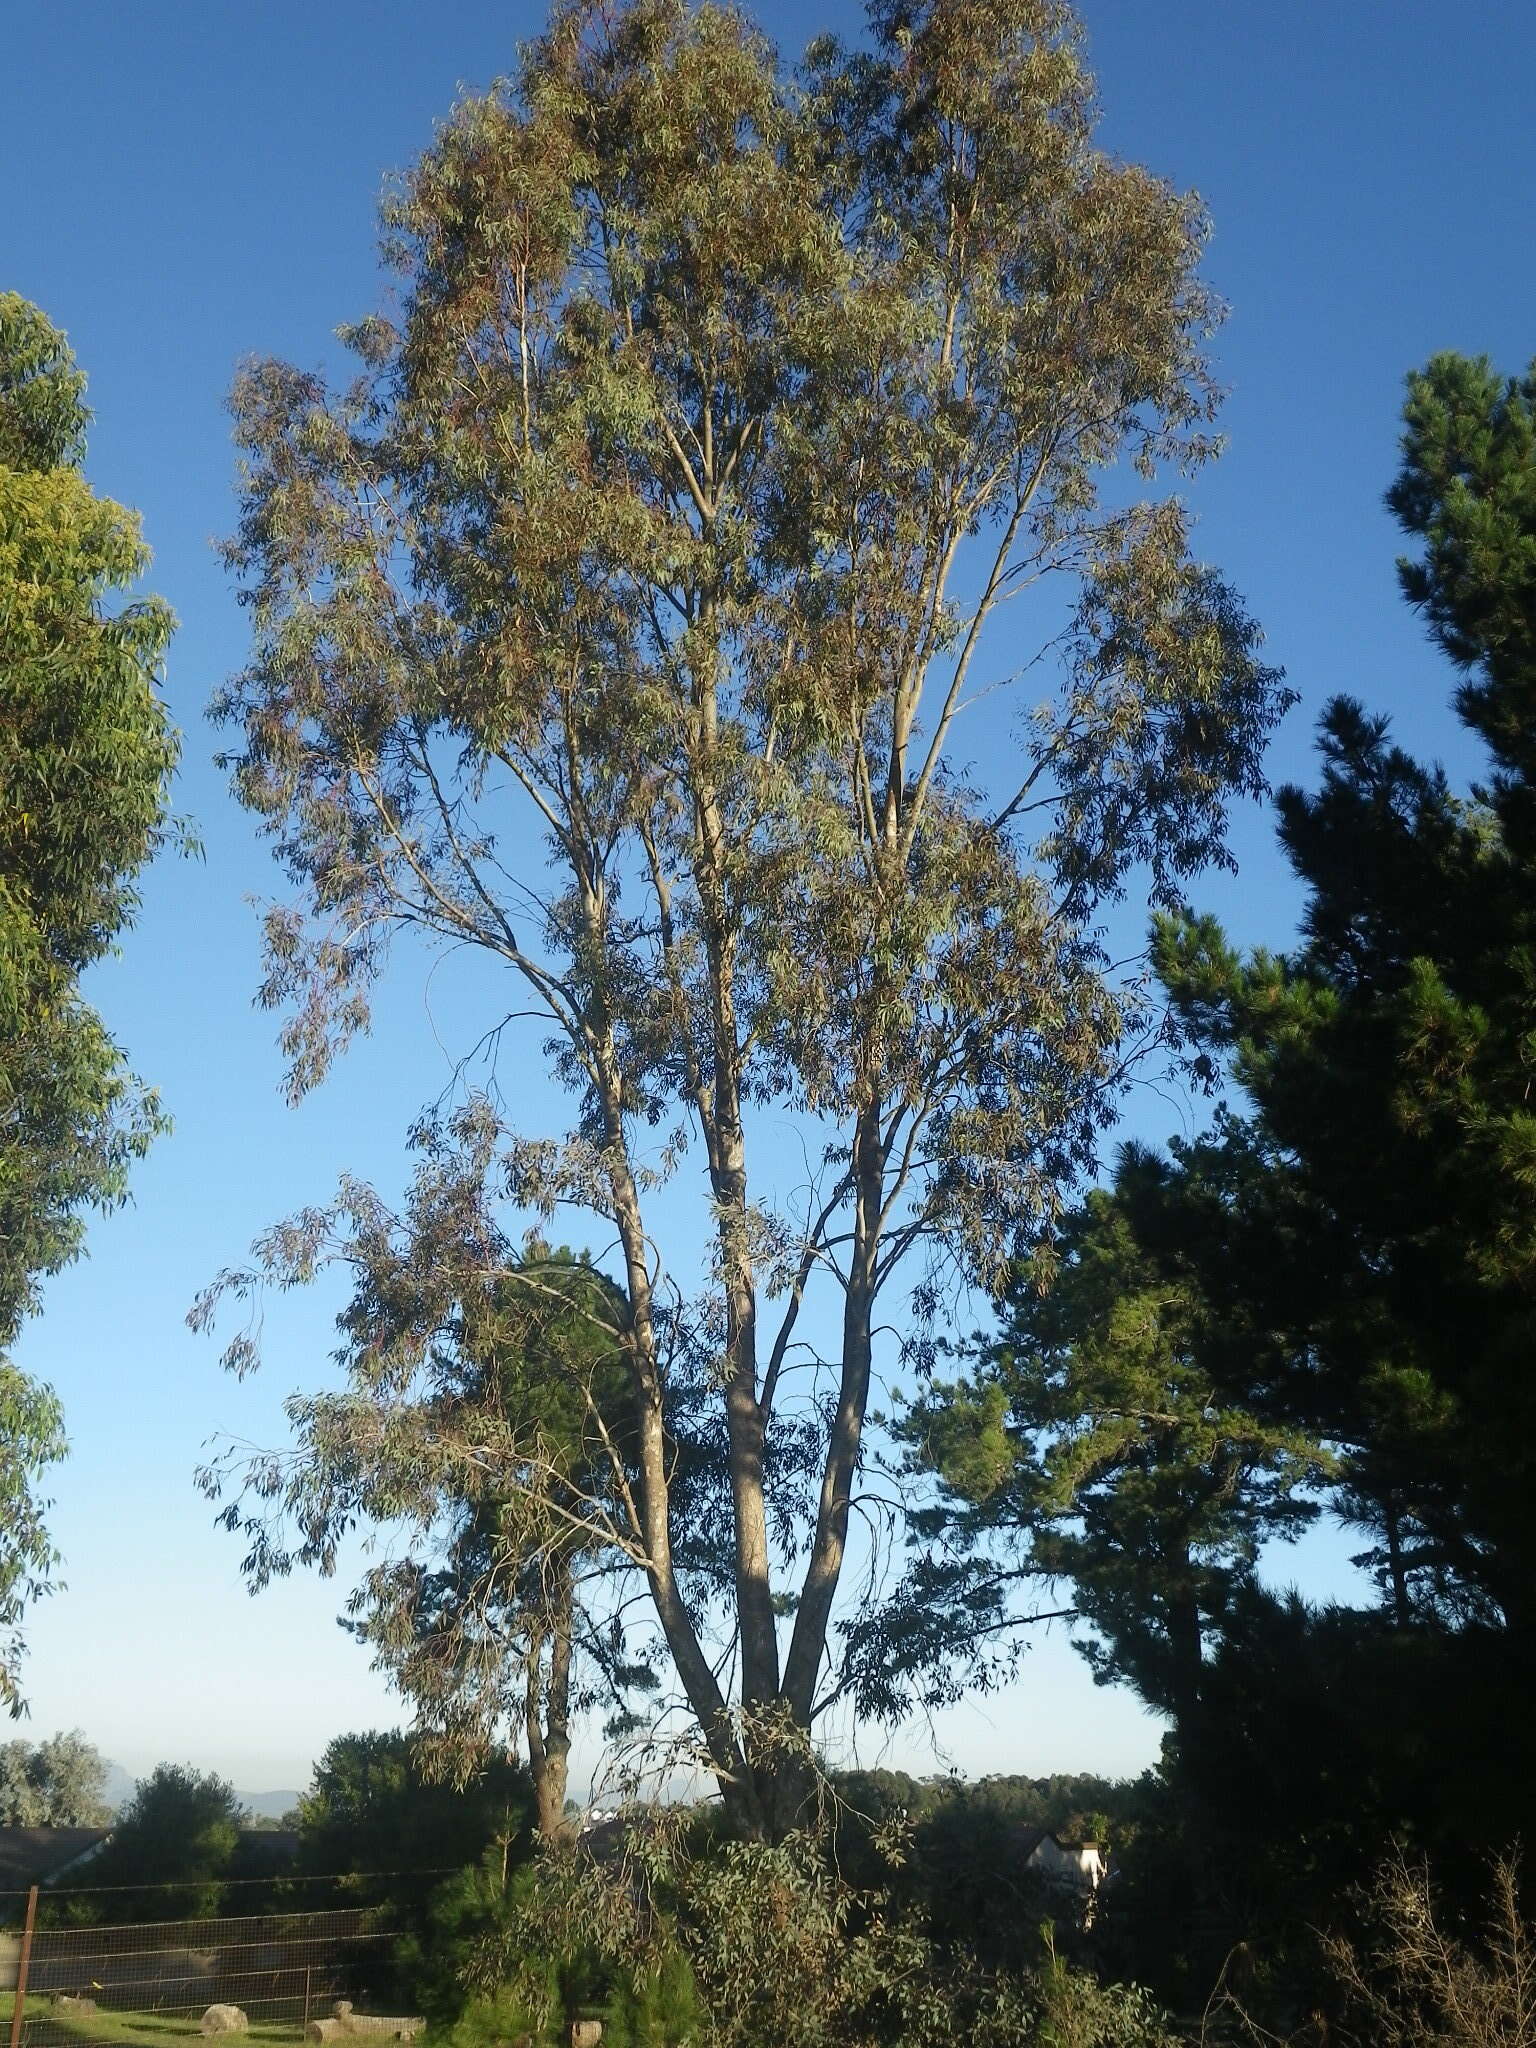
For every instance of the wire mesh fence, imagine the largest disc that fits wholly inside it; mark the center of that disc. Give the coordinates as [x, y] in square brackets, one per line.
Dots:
[94, 1968]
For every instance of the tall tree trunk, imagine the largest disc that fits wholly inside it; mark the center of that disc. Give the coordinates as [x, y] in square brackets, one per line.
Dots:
[745, 1432]
[695, 1674]
[745, 1423]
[548, 1705]
[829, 1544]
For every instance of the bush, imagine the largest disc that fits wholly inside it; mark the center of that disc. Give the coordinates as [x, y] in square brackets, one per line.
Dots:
[1410, 1982]
[680, 1942]
[528, 2008]
[1407, 1976]
[655, 2005]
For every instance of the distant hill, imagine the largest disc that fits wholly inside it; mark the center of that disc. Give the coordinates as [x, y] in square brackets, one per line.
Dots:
[270, 1805]
[118, 1790]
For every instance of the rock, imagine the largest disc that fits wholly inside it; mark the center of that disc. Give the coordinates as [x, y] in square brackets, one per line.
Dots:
[66, 2003]
[224, 2019]
[586, 2033]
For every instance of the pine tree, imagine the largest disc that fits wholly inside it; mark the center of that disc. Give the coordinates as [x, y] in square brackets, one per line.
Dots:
[1119, 1432]
[1388, 1060]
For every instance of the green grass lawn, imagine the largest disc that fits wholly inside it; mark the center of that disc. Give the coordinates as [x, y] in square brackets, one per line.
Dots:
[152, 2029]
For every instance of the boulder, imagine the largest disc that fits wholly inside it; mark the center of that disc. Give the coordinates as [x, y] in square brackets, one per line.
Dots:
[586, 2033]
[224, 2019]
[66, 2002]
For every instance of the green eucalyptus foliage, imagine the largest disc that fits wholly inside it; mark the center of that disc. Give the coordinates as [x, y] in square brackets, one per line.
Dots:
[625, 621]
[53, 1784]
[487, 1410]
[86, 755]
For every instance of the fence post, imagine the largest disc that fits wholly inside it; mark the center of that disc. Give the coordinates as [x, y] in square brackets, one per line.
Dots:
[23, 1961]
[306, 2002]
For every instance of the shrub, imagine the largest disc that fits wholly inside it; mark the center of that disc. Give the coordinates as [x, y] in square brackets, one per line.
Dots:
[1410, 1982]
[1407, 1976]
[680, 1942]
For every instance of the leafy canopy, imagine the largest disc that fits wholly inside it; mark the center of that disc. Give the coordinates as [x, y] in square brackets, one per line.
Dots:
[1117, 1435]
[487, 1427]
[622, 621]
[86, 755]
[54, 1784]
[1387, 1059]
[372, 1809]
[180, 1829]
[1331, 1291]
[1326, 1301]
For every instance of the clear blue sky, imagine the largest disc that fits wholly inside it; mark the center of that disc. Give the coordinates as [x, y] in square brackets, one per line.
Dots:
[185, 185]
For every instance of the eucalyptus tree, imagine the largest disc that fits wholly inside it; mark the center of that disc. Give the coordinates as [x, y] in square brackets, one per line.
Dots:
[728, 444]
[486, 1422]
[86, 754]
[58, 1783]
[526, 1586]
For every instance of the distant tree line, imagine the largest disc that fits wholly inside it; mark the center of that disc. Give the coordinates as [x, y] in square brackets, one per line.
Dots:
[183, 1845]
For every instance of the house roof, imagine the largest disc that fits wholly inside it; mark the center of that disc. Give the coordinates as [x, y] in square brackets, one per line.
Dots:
[38, 1855]
[1026, 1840]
